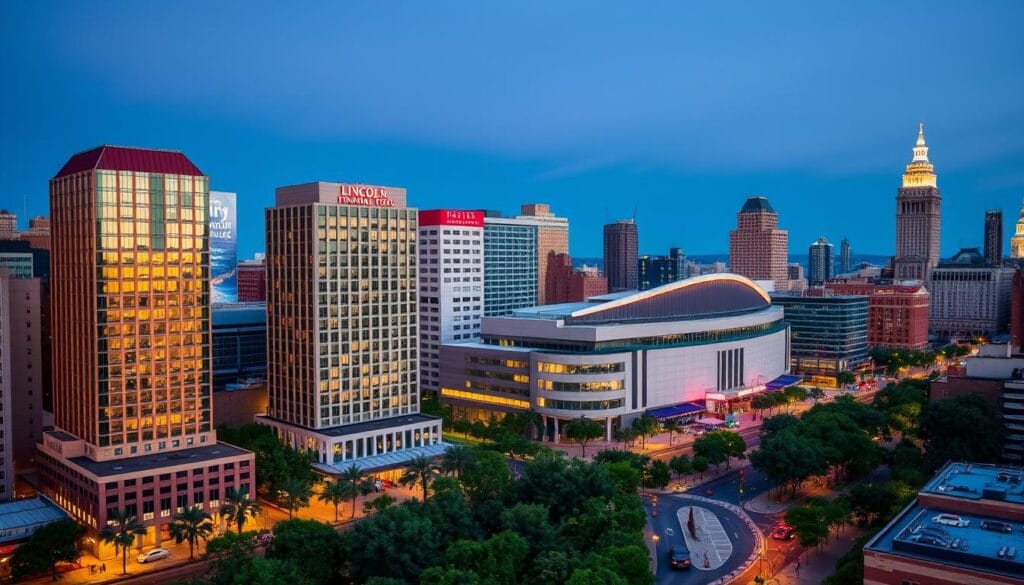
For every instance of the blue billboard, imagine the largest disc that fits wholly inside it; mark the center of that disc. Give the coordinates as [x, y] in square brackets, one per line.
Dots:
[223, 247]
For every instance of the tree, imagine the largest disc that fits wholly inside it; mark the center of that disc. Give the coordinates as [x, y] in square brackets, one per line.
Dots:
[845, 378]
[777, 423]
[761, 403]
[457, 459]
[121, 531]
[50, 544]
[398, 542]
[796, 393]
[700, 464]
[381, 502]
[295, 493]
[681, 465]
[316, 549]
[809, 521]
[189, 526]
[625, 475]
[631, 563]
[719, 446]
[237, 507]
[671, 426]
[815, 393]
[965, 428]
[356, 483]
[333, 494]
[419, 471]
[644, 426]
[657, 474]
[583, 430]
[532, 523]
[786, 459]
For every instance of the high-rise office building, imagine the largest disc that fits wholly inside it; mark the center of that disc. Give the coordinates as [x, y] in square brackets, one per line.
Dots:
[845, 256]
[970, 297]
[918, 217]
[252, 280]
[451, 280]
[510, 264]
[552, 236]
[819, 261]
[758, 249]
[829, 334]
[8, 225]
[620, 255]
[239, 334]
[7, 384]
[342, 326]
[567, 284]
[130, 298]
[655, 271]
[22, 344]
[38, 233]
[994, 237]
[897, 313]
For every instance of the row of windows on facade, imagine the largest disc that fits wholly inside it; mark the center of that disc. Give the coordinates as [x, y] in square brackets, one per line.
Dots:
[108, 440]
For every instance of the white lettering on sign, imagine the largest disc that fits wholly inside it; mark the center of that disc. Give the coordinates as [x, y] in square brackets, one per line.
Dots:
[365, 195]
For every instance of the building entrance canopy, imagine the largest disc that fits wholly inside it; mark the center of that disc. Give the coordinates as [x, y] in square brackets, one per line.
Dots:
[676, 410]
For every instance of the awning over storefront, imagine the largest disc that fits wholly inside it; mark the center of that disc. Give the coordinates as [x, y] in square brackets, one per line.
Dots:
[782, 381]
[677, 410]
[386, 461]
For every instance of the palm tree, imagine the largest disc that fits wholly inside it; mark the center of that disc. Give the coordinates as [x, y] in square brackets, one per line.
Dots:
[671, 426]
[419, 471]
[457, 459]
[238, 507]
[120, 531]
[295, 493]
[190, 525]
[334, 493]
[355, 483]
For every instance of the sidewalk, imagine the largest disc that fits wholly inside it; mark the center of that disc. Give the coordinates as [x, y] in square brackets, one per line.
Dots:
[815, 566]
[768, 503]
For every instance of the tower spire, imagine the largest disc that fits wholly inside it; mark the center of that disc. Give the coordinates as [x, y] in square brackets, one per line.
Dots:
[920, 172]
[920, 134]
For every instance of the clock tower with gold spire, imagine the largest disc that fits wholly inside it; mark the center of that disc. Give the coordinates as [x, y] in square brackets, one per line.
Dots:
[918, 217]
[1017, 241]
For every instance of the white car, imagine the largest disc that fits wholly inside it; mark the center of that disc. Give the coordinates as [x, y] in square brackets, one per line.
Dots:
[950, 520]
[153, 555]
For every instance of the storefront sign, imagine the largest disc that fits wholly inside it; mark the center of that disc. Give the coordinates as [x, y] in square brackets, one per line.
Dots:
[452, 217]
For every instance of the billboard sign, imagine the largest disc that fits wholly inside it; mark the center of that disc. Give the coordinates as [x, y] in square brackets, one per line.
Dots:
[223, 247]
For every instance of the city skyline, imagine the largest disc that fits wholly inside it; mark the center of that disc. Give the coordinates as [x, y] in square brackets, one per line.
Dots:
[729, 125]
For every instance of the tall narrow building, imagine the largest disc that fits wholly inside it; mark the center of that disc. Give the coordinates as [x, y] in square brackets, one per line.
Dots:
[758, 249]
[620, 255]
[845, 256]
[130, 302]
[343, 327]
[451, 284]
[510, 264]
[994, 237]
[918, 217]
[552, 236]
[819, 260]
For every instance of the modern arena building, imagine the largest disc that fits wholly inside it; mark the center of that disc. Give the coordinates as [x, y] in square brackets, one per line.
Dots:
[704, 343]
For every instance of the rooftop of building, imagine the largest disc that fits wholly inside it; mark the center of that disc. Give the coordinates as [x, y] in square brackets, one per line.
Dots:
[145, 463]
[758, 204]
[982, 544]
[788, 298]
[698, 297]
[973, 481]
[373, 425]
[20, 517]
[966, 257]
[228, 314]
[129, 158]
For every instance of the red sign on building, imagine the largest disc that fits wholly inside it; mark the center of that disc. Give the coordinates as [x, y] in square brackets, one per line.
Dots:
[365, 195]
[452, 217]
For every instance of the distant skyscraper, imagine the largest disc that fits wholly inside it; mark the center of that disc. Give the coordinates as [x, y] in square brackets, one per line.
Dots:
[620, 255]
[970, 297]
[130, 311]
[451, 251]
[343, 326]
[819, 259]
[655, 271]
[8, 225]
[510, 264]
[552, 236]
[994, 237]
[845, 256]
[758, 249]
[918, 217]
[1017, 241]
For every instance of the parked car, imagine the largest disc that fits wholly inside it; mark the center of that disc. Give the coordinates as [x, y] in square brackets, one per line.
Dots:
[782, 531]
[679, 557]
[153, 555]
[679, 488]
[950, 520]
[997, 526]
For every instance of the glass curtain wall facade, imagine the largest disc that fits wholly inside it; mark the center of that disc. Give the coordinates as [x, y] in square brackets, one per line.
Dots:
[828, 334]
[510, 265]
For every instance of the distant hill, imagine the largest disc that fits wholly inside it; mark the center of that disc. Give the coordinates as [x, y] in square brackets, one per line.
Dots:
[873, 259]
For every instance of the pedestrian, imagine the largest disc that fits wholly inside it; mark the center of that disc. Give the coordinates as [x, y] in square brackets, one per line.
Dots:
[103, 568]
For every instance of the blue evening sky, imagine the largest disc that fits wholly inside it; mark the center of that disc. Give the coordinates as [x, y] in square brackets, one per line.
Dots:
[676, 110]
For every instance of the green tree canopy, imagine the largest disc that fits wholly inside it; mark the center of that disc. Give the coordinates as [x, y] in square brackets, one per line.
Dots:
[965, 428]
[315, 548]
[583, 430]
[49, 545]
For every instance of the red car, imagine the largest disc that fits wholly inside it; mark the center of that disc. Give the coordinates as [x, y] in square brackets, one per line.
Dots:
[782, 532]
